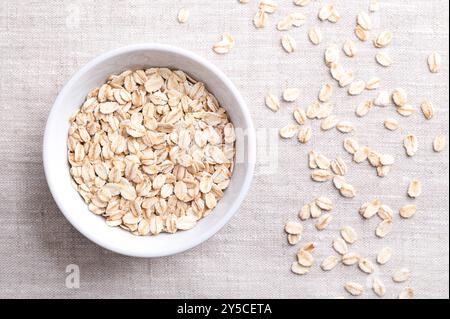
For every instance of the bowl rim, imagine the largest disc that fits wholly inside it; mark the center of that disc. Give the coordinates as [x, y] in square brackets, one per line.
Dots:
[250, 149]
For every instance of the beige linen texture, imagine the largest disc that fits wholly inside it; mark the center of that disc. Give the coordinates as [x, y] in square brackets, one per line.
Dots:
[42, 44]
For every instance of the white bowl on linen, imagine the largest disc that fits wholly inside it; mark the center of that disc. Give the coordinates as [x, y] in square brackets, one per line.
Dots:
[73, 95]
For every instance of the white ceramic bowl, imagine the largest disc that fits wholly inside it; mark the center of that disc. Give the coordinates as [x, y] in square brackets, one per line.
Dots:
[55, 149]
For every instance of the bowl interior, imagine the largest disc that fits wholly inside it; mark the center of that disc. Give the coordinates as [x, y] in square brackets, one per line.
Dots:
[55, 149]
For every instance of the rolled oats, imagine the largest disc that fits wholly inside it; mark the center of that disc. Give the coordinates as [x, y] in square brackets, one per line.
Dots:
[401, 275]
[383, 39]
[383, 59]
[350, 259]
[288, 43]
[378, 287]
[410, 144]
[366, 265]
[414, 188]
[356, 87]
[349, 48]
[183, 15]
[354, 288]
[315, 35]
[406, 293]
[384, 255]
[391, 124]
[272, 102]
[439, 143]
[329, 263]
[132, 153]
[340, 246]
[304, 134]
[291, 94]
[348, 233]
[323, 221]
[434, 62]
[225, 45]
[427, 109]
[408, 211]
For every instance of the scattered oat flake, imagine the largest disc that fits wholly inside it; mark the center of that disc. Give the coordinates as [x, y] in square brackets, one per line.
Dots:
[225, 45]
[384, 255]
[260, 19]
[351, 145]
[366, 265]
[288, 131]
[391, 124]
[315, 35]
[383, 59]
[329, 122]
[324, 203]
[361, 34]
[354, 288]
[331, 54]
[373, 83]
[321, 175]
[344, 126]
[183, 15]
[385, 212]
[339, 168]
[350, 259]
[434, 62]
[364, 107]
[300, 116]
[293, 239]
[415, 188]
[291, 94]
[383, 99]
[286, 23]
[322, 161]
[349, 48]
[329, 263]
[427, 109]
[399, 97]
[325, 92]
[406, 293]
[305, 212]
[384, 228]
[401, 275]
[293, 228]
[378, 287]
[347, 190]
[325, 11]
[406, 110]
[272, 102]
[349, 234]
[439, 143]
[356, 87]
[304, 134]
[305, 258]
[408, 211]
[288, 43]
[383, 39]
[298, 269]
[323, 221]
[364, 20]
[410, 144]
[340, 246]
